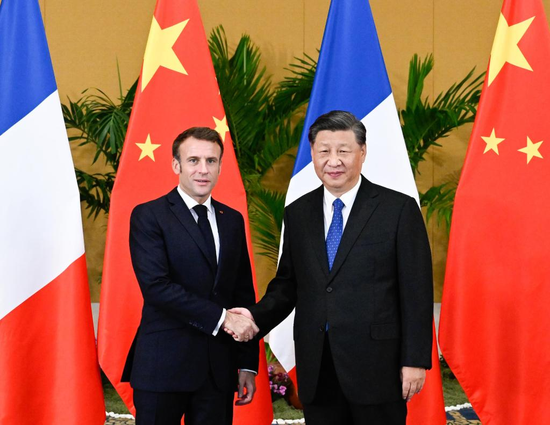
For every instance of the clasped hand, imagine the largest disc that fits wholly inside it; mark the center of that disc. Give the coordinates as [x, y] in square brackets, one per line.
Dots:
[239, 323]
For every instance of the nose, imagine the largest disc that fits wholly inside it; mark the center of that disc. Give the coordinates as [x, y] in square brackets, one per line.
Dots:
[333, 159]
[203, 169]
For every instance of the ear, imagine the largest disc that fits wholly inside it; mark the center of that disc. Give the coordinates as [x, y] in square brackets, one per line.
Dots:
[364, 152]
[176, 167]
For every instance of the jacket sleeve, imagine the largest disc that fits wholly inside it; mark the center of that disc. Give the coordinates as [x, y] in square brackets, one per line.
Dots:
[280, 297]
[150, 262]
[248, 352]
[414, 274]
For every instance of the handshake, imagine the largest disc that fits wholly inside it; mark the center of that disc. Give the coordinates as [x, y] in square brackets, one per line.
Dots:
[239, 323]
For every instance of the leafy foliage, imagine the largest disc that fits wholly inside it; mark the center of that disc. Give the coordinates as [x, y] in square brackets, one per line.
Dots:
[425, 123]
[97, 119]
[264, 121]
[294, 91]
[267, 216]
[440, 200]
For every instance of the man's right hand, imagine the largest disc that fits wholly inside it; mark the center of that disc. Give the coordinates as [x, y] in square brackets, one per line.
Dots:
[239, 325]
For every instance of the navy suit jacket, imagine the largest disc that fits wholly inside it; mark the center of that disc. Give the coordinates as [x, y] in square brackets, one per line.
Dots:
[377, 299]
[183, 294]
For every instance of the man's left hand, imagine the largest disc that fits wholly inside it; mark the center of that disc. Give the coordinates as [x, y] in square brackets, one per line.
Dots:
[413, 379]
[246, 380]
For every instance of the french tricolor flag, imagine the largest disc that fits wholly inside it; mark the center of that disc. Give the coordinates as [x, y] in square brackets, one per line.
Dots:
[48, 361]
[351, 76]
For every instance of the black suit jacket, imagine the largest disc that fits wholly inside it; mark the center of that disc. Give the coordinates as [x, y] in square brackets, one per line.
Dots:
[183, 296]
[377, 299]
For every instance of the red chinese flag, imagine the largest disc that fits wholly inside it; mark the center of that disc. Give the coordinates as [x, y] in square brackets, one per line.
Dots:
[177, 90]
[495, 321]
[428, 407]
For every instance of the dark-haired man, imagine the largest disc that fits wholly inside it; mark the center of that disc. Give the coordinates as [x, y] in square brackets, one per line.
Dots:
[356, 265]
[191, 261]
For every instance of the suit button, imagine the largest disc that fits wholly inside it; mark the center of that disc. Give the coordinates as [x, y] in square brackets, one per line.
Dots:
[329, 289]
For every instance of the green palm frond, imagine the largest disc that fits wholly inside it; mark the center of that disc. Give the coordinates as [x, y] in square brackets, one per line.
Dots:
[95, 190]
[245, 91]
[439, 200]
[97, 119]
[424, 123]
[262, 130]
[281, 137]
[266, 216]
[101, 121]
[294, 91]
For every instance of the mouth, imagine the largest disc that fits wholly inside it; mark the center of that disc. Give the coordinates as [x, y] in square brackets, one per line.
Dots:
[335, 174]
[202, 182]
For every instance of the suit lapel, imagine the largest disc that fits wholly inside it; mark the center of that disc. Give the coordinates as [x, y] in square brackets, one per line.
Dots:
[316, 225]
[225, 238]
[183, 214]
[364, 205]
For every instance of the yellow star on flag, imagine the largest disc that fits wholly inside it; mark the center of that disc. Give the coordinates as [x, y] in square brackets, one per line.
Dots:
[532, 149]
[492, 142]
[505, 47]
[221, 127]
[147, 148]
[159, 51]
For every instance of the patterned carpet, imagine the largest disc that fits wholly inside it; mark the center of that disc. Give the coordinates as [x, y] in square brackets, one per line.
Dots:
[465, 416]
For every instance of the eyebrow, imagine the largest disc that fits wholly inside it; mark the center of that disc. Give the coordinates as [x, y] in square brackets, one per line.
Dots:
[199, 157]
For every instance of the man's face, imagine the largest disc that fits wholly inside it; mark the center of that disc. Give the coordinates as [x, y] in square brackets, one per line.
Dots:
[198, 167]
[337, 159]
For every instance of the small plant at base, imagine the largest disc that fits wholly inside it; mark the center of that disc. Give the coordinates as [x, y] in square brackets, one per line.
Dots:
[279, 382]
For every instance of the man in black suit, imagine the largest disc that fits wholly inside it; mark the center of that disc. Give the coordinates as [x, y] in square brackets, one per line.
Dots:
[356, 265]
[191, 261]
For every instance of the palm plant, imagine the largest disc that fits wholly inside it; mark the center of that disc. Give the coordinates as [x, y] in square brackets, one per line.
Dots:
[424, 124]
[265, 121]
[266, 215]
[97, 119]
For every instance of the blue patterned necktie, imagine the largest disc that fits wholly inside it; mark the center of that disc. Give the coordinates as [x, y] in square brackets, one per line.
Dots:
[335, 232]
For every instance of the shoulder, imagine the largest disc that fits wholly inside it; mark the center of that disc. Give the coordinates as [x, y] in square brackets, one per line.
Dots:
[227, 211]
[386, 195]
[304, 201]
[156, 205]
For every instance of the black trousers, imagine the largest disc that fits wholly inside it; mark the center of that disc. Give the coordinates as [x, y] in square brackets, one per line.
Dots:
[206, 406]
[330, 406]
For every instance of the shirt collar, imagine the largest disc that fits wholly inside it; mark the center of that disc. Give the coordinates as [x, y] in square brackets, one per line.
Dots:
[190, 202]
[347, 198]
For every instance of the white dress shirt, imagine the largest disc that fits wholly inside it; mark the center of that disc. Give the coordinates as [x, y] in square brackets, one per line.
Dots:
[347, 198]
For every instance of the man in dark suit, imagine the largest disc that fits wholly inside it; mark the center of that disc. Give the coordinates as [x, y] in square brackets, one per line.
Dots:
[191, 261]
[356, 265]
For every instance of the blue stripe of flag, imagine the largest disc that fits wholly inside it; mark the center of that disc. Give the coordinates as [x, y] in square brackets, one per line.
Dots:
[351, 74]
[26, 72]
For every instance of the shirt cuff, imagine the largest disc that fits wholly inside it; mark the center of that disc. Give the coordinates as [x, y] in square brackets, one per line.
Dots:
[222, 319]
[248, 370]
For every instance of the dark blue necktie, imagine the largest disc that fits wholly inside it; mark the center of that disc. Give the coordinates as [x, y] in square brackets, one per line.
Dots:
[206, 230]
[335, 232]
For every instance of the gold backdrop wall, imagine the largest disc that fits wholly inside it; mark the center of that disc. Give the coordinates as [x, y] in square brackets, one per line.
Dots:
[88, 38]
